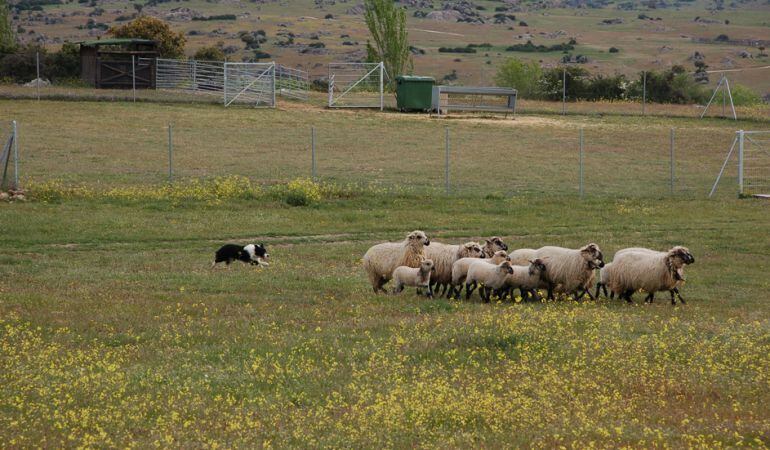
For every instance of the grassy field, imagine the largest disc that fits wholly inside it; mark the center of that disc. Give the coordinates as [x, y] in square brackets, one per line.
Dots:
[106, 144]
[115, 332]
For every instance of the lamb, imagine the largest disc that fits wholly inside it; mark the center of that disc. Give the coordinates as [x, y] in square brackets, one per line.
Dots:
[525, 278]
[569, 270]
[493, 245]
[445, 255]
[492, 277]
[416, 277]
[382, 259]
[460, 270]
[648, 270]
[522, 256]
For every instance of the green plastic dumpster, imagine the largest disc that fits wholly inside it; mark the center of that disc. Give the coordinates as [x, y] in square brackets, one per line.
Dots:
[414, 93]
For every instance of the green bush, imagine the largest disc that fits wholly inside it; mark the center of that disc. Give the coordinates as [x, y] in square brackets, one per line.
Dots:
[743, 96]
[520, 75]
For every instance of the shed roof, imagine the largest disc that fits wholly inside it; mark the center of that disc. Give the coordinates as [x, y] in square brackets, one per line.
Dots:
[116, 41]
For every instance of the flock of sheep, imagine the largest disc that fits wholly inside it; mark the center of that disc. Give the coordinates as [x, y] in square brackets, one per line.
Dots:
[416, 262]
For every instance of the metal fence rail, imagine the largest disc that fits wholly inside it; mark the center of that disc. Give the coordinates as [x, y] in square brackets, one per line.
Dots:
[253, 84]
[292, 83]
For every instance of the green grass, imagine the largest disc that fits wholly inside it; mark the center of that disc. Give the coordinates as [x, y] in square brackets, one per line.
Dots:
[114, 331]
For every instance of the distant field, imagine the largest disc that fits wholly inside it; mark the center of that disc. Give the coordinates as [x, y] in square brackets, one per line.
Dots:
[114, 331]
[644, 44]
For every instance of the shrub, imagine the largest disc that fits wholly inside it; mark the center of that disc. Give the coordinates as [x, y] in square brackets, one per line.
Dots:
[520, 75]
[212, 53]
[170, 43]
[531, 48]
[614, 50]
[743, 96]
[302, 192]
[467, 49]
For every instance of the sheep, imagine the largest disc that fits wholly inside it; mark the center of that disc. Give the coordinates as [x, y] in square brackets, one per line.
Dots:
[460, 270]
[601, 285]
[444, 256]
[417, 277]
[648, 270]
[568, 270]
[492, 277]
[493, 245]
[525, 278]
[382, 259]
[522, 256]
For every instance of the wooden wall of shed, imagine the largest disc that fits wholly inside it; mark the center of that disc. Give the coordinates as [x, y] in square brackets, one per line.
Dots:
[88, 65]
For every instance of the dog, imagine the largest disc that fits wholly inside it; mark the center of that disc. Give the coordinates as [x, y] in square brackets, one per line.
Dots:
[249, 254]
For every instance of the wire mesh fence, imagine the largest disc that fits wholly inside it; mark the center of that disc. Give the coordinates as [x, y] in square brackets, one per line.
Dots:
[478, 158]
[755, 162]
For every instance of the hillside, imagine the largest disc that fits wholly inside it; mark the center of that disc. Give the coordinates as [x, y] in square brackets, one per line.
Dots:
[309, 34]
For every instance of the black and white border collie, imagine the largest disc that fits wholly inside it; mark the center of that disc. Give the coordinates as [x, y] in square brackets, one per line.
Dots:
[249, 254]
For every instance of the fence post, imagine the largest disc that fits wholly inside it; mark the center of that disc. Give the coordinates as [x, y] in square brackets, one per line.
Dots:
[582, 189]
[644, 91]
[37, 81]
[312, 154]
[446, 161]
[224, 83]
[740, 162]
[15, 156]
[382, 94]
[564, 92]
[672, 161]
[170, 153]
[133, 76]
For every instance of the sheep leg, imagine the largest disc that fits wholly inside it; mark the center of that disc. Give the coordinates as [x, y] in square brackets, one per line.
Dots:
[612, 295]
[484, 293]
[441, 287]
[681, 299]
[430, 291]
[469, 290]
[598, 290]
[650, 298]
[451, 290]
[550, 292]
[398, 288]
[628, 295]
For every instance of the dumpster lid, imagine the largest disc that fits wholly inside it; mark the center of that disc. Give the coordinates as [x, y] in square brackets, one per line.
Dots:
[415, 78]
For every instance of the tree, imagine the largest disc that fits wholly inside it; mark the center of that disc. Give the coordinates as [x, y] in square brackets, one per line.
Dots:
[7, 36]
[170, 44]
[387, 25]
[520, 75]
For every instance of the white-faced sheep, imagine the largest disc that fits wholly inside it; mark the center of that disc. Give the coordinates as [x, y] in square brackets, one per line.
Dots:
[524, 278]
[493, 245]
[569, 270]
[460, 270]
[522, 256]
[647, 270]
[444, 256]
[492, 278]
[415, 277]
[382, 259]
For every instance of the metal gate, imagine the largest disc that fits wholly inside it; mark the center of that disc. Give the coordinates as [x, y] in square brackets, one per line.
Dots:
[292, 83]
[356, 85]
[249, 83]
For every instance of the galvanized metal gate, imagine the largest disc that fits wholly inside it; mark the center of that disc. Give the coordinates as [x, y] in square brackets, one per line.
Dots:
[356, 85]
[249, 83]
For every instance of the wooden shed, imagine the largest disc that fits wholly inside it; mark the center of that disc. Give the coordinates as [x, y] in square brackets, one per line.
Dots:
[107, 63]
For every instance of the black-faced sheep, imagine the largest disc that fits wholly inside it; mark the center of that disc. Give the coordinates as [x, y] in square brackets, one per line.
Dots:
[492, 245]
[382, 259]
[444, 256]
[460, 270]
[415, 277]
[524, 278]
[647, 270]
[568, 270]
[491, 277]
